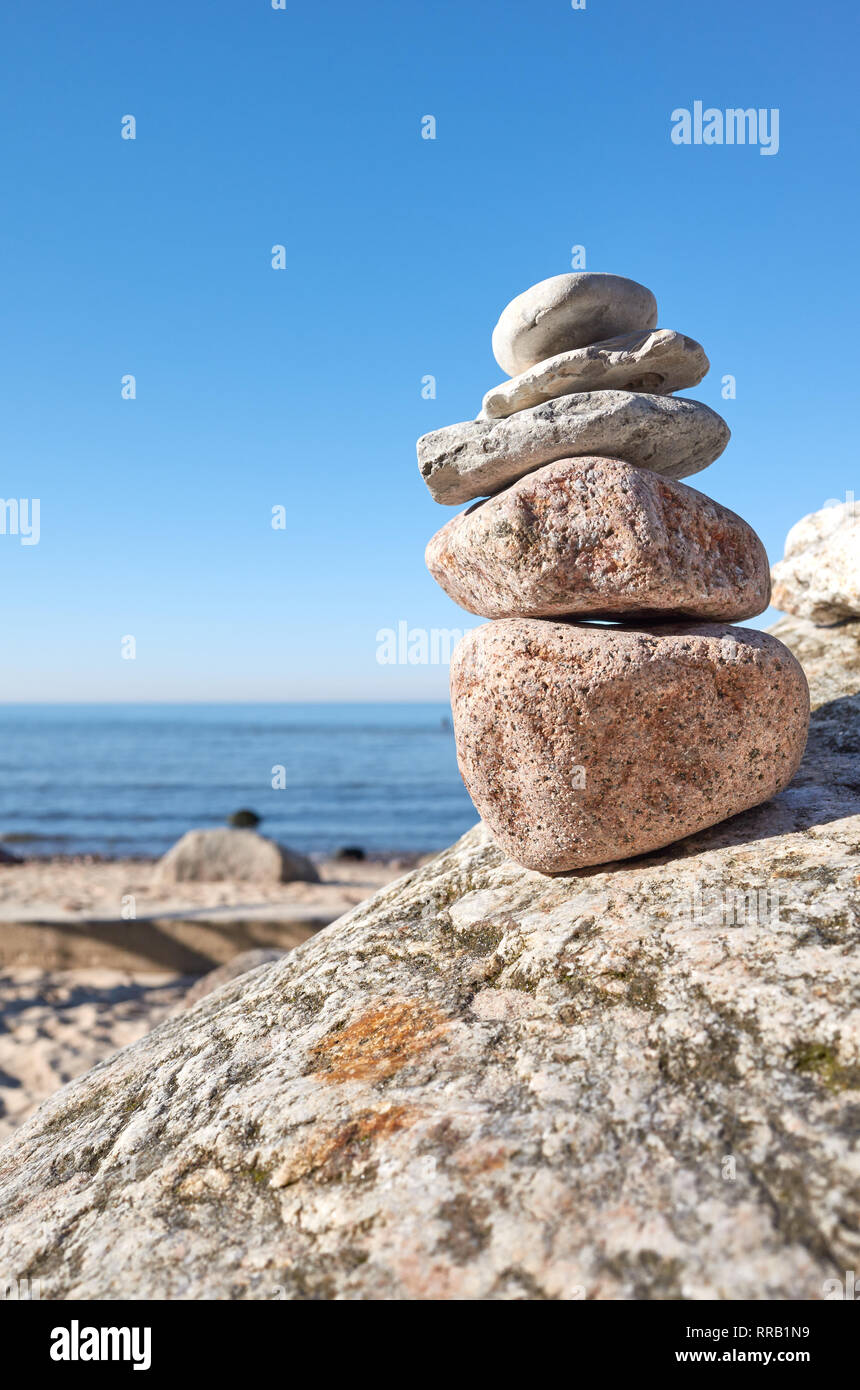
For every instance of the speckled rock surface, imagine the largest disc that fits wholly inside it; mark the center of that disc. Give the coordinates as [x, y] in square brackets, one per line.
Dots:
[211, 856]
[631, 1083]
[830, 656]
[569, 311]
[594, 537]
[230, 970]
[819, 577]
[582, 745]
[673, 436]
[658, 362]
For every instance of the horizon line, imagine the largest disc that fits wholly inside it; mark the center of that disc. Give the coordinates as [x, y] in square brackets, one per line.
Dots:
[49, 704]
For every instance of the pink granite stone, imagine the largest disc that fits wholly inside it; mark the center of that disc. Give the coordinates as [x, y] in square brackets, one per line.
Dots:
[583, 745]
[598, 538]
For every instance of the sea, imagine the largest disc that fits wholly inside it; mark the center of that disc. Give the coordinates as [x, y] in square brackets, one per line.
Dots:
[125, 781]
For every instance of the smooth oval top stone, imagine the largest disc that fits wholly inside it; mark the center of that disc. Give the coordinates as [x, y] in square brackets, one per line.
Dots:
[598, 538]
[659, 362]
[569, 311]
[819, 576]
[671, 435]
[583, 745]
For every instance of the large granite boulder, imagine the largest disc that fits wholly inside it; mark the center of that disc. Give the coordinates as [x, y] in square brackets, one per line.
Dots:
[640, 1082]
[830, 656]
[230, 970]
[819, 575]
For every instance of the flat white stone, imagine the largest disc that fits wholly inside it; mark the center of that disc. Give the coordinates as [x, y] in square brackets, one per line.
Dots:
[659, 362]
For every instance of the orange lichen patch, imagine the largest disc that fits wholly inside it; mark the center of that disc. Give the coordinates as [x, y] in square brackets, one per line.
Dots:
[328, 1154]
[380, 1041]
[483, 1156]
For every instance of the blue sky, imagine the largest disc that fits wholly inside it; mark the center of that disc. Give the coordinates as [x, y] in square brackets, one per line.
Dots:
[302, 387]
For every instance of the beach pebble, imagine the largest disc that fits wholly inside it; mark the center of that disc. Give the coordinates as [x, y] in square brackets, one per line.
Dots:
[669, 434]
[211, 856]
[583, 745]
[569, 311]
[598, 538]
[660, 362]
[819, 576]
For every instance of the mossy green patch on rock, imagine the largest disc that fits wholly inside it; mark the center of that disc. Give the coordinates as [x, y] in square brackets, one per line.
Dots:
[820, 1060]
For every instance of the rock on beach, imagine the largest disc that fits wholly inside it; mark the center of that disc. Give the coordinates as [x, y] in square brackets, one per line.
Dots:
[210, 856]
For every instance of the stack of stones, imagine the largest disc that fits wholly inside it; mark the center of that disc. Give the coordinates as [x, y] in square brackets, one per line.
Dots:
[608, 709]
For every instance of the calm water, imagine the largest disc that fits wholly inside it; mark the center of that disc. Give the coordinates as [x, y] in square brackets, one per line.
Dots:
[121, 780]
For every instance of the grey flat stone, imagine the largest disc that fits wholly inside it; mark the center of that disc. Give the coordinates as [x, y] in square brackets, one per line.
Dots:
[672, 436]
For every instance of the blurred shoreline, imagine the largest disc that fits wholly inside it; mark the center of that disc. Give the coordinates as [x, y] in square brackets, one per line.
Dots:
[61, 891]
[127, 781]
[16, 847]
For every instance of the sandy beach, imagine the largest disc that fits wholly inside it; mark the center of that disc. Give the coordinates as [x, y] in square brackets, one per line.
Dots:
[97, 888]
[57, 1023]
